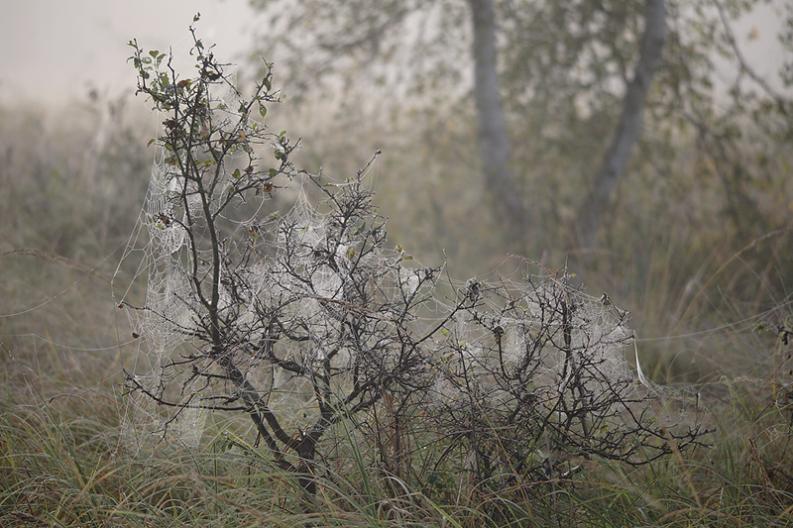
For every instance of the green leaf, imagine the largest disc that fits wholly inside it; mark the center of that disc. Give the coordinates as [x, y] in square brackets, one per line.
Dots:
[236, 174]
[263, 111]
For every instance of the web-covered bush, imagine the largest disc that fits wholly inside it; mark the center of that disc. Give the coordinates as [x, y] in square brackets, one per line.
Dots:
[300, 321]
[534, 378]
[313, 318]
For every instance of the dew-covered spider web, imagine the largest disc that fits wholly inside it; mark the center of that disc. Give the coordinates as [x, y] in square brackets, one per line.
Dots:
[167, 401]
[281, 269]
[162, 321]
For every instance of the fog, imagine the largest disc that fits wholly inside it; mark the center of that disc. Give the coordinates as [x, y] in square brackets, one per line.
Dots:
[55, 51]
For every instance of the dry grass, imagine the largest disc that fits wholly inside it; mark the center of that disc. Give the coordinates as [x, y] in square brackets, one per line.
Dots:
[63, 345]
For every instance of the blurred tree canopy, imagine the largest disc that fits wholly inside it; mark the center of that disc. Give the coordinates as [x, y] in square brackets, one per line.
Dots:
[706, 158]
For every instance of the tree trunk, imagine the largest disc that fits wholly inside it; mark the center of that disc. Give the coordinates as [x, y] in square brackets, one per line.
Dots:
[493, 137]
[306, 477]
[629, 127]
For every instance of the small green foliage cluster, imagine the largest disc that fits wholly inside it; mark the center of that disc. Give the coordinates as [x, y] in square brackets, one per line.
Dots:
[210, 121]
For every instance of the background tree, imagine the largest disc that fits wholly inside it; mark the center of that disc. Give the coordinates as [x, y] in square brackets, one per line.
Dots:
[628, 129]
[571, 77]
[349, 35]
[493, 136]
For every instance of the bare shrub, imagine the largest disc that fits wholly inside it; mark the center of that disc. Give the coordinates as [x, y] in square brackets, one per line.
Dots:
[248, 314]
[307, 320]
[533, 379]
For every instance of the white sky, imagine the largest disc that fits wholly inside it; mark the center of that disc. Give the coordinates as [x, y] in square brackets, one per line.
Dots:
[52, 51]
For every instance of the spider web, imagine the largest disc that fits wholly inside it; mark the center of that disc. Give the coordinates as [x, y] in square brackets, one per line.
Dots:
[170, 313]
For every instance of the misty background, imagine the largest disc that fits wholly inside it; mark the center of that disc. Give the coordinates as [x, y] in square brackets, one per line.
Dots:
[708, 178]
[57, 51]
